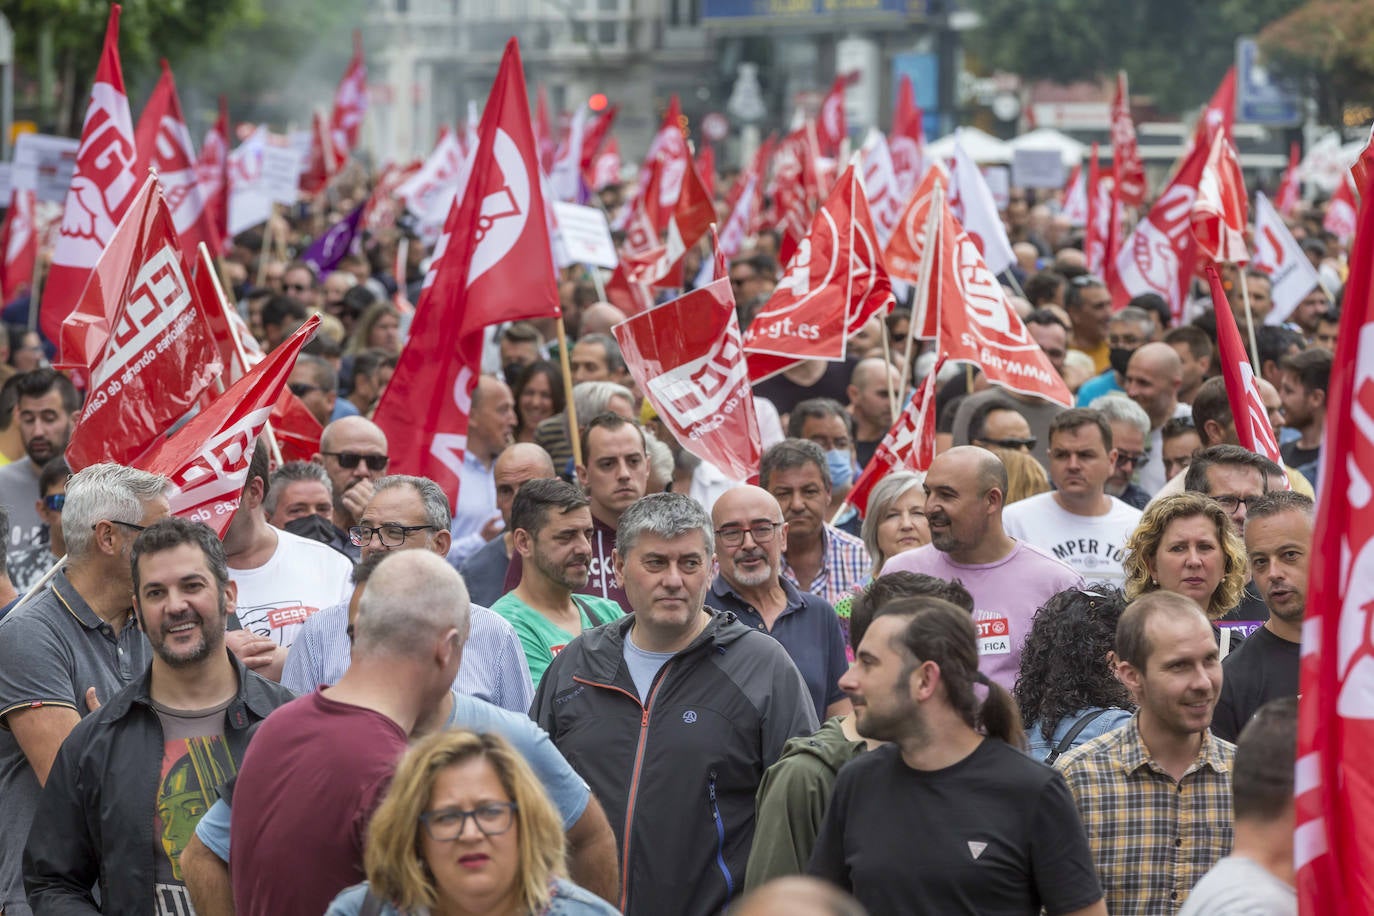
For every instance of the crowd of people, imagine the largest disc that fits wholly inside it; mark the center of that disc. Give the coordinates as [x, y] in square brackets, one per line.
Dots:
[1053, 671]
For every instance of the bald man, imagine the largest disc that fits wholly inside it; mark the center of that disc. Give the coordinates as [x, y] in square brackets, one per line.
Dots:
[798, 896]
[870, 403]
[1009, 579]
[600, 317]
[750, 537]
[353, 453]
[485, 571]
[1153, 379]
[491, 427]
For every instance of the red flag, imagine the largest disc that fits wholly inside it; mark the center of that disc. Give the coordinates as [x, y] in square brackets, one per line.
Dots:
[834, 280]
[905, 252]
[1126, 163]
[103, 186]
[706, 170]
[350, 105]
[1075, 196]
[1095, 229]
[207, 459]
[1334, 799]
[831, 127]
[720, 267]
[741, 216]
[978, 324]
[795, 188]
[323, 162]
[1341, 212]
[139, 333]
[686, 357]
[544, 139]
[1360, 169]
[18, 244]
[164, 143]
[592, 139]
[907, 140]
[237, 348]
[1160, 255]
[212, 172]
[665, 165]
[1221, 210]
[1290, 187]
[492, 264]
[1219, 115]
[908, 446]
[1248, 411]
[606, 167]
[295, 427]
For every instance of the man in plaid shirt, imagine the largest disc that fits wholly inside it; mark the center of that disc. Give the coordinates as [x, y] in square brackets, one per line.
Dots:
[1155, 795]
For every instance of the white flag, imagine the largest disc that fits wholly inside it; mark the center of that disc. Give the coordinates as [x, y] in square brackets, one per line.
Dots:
[1277, 253]
[971, 200]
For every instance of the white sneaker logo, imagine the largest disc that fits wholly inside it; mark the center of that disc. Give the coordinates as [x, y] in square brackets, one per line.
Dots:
[976, 849]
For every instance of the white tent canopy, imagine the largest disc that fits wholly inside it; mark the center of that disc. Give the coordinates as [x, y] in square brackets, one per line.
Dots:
[1047, 138]
[983, 148]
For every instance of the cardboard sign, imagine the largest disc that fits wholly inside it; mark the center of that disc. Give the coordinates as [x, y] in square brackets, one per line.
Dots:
[44, 164]
[1037, 168]
[281, 173]
[585, 236]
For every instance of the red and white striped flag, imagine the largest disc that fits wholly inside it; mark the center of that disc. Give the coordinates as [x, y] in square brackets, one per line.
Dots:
[1248, 412]
[350, 106]
[18, 244]
[908, 446]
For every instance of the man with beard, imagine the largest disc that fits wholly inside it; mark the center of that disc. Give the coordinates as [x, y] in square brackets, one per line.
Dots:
[72, 644]
[1278, 540]
[47, 405]
[149, 761]
[750, 534]
[1009, 579]
[950, 817]
[553, 532]
[1155, 794]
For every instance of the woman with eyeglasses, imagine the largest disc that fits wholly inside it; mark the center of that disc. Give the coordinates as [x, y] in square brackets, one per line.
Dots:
[1185, 543]
[1068, 698]
[466, 829]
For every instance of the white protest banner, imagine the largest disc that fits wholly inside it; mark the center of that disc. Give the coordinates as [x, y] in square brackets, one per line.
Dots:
[45, 165]
[249, 203]
[585, 235]
[281, 173]
[1037, 168]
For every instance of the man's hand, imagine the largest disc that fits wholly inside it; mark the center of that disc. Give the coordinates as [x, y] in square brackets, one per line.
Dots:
[258, 653]
[356, 498]
[92, 701]
[494, 526]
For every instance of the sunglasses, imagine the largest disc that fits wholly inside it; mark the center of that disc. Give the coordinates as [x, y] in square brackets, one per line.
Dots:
[349, 460]
[54, 502]
[301, 389]
[1013, 444]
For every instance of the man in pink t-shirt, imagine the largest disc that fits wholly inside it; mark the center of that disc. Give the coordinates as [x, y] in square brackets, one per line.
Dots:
[1009, 579]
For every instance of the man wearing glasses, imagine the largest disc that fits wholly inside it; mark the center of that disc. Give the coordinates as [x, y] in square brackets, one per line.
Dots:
[353, 452]
[750, 535]
[282, 578]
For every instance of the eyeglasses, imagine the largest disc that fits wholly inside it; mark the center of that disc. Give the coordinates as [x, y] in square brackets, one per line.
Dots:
[130, 525]
[448, 824]
[1013, 444]
[1232, 503]
[1136, 461]
[733, 535]
[349, 460]
[301, 389]
[54, 501]
[391, 535]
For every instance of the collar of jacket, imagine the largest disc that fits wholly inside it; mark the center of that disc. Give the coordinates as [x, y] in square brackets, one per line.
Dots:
[252, 696]
[604, 647]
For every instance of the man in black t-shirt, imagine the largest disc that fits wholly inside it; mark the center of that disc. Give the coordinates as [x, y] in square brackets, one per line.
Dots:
[946, 820]
[1278, 541]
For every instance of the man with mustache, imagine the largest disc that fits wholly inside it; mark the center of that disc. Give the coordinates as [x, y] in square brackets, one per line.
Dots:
[553, 533]
[149, 761]
[46, 411]
[750, 534]
[1155, 794]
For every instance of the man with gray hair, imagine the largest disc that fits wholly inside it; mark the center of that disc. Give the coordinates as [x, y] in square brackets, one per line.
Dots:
[1130, 430]
[317, 767]
[72, 645]
[298, 489]
[672, 714]
[410, 513]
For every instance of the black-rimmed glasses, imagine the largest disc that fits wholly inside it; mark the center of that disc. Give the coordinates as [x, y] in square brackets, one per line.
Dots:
[447, 824]
[733, 535]
[391, 535]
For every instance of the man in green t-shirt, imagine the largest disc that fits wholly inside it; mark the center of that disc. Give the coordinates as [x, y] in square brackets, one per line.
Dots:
[551, 529]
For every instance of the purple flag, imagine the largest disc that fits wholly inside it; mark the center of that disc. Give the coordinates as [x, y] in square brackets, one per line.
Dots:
[325, 253]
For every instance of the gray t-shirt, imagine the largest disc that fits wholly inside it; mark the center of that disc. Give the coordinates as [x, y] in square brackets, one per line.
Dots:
[51, 650]
[644, 666]
[19, 495]
[1237, 886]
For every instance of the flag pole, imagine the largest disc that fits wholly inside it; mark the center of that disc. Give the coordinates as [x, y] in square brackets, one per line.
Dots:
[887, 358]
[36, 290]
[265, 251]
[574, 434]
[1249, 318]
[920, 300]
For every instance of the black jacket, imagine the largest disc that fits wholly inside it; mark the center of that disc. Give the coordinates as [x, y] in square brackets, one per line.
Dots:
[94, 824]
[677, 774]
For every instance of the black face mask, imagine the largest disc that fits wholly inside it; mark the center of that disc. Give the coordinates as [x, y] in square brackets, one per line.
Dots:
[315, 527]
[1119, 357]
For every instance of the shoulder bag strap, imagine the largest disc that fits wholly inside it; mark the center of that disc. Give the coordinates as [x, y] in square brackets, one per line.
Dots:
[1067, 741]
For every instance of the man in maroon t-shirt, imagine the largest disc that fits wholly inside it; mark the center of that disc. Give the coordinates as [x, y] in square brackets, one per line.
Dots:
[318, 767]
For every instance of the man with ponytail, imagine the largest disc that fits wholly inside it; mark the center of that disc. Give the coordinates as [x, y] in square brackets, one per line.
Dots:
[950, 817]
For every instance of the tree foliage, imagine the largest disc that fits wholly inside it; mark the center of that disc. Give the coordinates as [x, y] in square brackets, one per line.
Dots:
[1173, 50]
[1329, 46]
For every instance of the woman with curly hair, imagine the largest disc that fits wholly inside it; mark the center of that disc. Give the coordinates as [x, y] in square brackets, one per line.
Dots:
[538, 394]
[1185, 543]
[466, 828]
[1070, 697]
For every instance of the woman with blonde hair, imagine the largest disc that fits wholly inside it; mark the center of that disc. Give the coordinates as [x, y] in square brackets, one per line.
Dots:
[1025, 476]
[466, 830]
[379, 327]
[1185, 543]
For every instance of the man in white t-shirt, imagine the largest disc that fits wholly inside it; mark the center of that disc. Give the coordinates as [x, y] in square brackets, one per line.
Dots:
[1078, 522]
[1009, 579]
[282, 578]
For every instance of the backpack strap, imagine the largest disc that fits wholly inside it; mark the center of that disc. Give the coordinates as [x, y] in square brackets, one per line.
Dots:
[587, 609]
[372, 905]
[1067, 741]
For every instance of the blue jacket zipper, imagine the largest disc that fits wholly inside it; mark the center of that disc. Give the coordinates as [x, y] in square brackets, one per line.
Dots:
[720, 838]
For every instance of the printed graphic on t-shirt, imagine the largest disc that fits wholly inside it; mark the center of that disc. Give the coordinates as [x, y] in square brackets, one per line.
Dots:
[192, 771]
[1097, 560]
[994, 632]
[277, 620]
